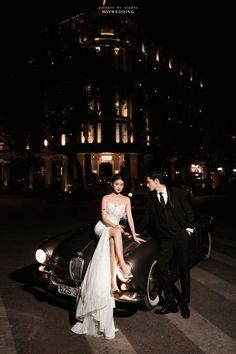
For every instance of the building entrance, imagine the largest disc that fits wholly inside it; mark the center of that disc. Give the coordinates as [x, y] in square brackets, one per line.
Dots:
[105, 171]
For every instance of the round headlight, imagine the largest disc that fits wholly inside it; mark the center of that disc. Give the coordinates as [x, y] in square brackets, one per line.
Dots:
[40, 256]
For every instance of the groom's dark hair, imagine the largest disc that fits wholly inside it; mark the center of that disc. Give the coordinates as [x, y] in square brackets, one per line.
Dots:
[155, 174]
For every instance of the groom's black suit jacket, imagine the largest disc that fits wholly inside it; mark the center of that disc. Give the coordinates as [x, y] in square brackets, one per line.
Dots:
[180, 208]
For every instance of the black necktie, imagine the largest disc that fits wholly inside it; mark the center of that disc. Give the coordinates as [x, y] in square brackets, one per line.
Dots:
[162, 201]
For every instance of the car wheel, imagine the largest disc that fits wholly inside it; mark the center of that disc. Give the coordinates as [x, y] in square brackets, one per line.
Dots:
[207, 246]
[151, 298]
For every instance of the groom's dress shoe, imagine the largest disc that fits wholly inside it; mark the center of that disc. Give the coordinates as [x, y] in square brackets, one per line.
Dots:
[165, 310]
[185, 312]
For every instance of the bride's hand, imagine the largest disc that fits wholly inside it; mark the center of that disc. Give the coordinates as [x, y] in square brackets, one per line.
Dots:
[138, 239]
[120, 227]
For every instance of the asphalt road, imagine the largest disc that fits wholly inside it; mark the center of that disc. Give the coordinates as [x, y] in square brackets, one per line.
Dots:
[33, 323]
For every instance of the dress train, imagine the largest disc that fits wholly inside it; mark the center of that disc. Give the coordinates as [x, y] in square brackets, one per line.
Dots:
[95, 307]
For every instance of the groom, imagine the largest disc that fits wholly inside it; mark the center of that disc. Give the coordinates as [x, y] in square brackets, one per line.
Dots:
[174, 222]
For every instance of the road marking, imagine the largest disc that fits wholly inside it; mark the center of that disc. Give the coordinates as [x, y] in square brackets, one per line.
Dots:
[209, 338]
[7, 344]
[119, 344]
[221, 257]
[216, 284]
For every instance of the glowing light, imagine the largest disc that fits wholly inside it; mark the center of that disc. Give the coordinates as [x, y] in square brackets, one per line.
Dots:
[63, 139]
[107, 32]
[106, 158]
[117, 133]
[196, 168]
[99, 132]
[45, 142]
[143, 48]
[40, 256]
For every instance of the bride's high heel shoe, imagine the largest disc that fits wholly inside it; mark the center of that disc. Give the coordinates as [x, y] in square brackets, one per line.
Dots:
[115, 290]
[124, 276]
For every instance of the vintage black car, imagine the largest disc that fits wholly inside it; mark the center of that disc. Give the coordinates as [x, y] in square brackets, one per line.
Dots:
[64, 259]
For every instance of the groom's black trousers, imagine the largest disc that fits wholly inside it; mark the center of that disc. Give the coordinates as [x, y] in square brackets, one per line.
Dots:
[178, 244]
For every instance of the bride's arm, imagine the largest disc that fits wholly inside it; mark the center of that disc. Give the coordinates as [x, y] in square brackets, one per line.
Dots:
[105, 218]
[131, 222]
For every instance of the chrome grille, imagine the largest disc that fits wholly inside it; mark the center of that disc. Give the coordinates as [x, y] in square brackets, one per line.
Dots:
[76, 267]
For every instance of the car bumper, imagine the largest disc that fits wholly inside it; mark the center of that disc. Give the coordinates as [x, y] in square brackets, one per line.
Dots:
[53, 280]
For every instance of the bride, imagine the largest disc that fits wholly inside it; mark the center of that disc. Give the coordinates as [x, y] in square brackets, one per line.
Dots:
[95, 307]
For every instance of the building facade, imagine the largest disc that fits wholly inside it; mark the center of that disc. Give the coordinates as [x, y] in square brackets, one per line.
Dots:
[115, 101]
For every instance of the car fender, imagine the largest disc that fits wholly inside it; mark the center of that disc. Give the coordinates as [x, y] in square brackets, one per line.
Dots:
[140, 260]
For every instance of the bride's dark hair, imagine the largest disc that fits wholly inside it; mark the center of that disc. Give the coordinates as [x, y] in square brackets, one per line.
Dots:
[116, 177]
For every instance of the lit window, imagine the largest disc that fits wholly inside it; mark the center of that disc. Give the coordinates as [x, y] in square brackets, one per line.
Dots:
[124, 133]
[88, 89]
[63, 139]
[42, 171]
[107, 32]
[117, 104]
[147, 121]
[99, 132]
[82, 137]
[90, 134]
[132, 138]
[91, 105]
[143, 48]
[117, 133]
[106, 158]
[124, 108]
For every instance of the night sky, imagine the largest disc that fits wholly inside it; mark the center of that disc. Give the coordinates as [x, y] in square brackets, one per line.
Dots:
[204, 37]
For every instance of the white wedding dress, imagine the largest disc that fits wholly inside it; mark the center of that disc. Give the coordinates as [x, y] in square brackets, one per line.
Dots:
[95, 307]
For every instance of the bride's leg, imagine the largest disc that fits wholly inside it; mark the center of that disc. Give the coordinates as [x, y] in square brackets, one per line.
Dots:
[114, 262]
[116, 235]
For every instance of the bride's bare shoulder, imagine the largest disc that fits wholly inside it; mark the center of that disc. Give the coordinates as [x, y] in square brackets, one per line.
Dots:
[106, 197]
[125, 199]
